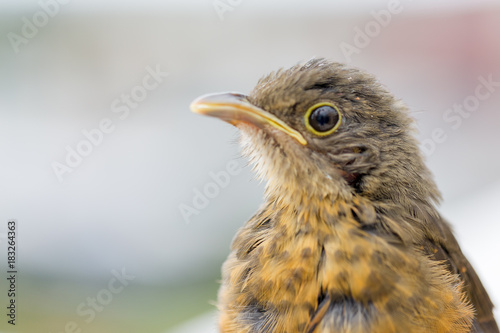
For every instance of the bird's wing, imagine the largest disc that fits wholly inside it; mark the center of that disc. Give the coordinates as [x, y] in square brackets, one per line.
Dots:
[447, 250]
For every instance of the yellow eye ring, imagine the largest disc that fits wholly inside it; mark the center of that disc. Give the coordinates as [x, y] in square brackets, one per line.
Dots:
[322, 119]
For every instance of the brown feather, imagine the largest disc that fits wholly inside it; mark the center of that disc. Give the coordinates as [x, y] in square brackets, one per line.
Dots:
[349, 239]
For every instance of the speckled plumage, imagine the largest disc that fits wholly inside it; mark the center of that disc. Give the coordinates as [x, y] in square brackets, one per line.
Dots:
[348, 239]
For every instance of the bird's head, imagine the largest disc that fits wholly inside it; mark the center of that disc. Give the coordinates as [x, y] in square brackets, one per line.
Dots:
[321, 129]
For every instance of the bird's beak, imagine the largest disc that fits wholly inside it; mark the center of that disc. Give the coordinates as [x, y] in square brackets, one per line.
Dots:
[235, 108]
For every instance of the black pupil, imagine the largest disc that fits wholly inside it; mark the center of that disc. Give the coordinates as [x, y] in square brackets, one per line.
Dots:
[324, 118]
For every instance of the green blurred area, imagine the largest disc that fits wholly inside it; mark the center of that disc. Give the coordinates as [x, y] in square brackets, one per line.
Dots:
[46, 305]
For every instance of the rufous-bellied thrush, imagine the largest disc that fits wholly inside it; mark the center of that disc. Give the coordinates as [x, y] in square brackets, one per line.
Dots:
[349, 239]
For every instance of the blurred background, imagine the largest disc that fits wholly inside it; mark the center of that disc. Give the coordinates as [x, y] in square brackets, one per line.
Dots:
[102, 163]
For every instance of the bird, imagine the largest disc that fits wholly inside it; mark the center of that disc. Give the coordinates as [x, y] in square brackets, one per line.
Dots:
[349, 238]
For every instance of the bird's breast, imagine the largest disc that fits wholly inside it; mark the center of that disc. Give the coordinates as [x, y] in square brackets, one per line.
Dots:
[285, 266]
[319, 271]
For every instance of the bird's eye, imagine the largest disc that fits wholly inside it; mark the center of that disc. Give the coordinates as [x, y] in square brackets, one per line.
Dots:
[322, 119]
